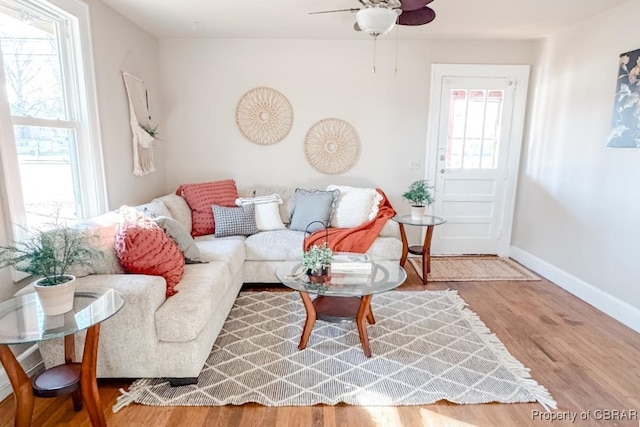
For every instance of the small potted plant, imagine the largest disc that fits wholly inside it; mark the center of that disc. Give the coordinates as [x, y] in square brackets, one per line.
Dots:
[50, 253]
[419, 196]
[316, 261]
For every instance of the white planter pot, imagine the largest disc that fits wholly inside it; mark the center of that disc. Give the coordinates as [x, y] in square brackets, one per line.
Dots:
[417, 212]
[56, 299]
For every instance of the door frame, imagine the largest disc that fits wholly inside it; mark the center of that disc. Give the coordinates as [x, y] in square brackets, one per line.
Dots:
[520, 76]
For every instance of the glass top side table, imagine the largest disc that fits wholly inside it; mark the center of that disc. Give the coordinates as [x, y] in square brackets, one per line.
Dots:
[23, 321]
[428, 221]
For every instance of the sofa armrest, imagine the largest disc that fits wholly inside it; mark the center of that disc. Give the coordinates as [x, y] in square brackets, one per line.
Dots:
[127, 335]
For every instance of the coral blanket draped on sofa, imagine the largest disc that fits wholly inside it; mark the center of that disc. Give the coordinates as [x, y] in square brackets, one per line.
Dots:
[357, 239]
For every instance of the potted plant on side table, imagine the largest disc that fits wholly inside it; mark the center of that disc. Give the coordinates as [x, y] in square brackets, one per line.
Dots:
[316, 262]
[49, 253]
[420, 197]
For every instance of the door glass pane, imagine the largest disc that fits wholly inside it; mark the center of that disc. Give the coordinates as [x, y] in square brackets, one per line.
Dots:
[46, 157]
[31, 61]
[474, 129]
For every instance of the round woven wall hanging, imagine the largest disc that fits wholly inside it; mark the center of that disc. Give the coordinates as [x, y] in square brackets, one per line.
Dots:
[332, 146]
[264, 115]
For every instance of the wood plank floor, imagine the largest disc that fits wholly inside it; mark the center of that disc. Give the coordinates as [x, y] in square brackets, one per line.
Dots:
[587, 360]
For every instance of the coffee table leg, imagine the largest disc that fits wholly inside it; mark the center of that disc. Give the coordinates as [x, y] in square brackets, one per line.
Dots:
[370, 318]
[311, 320]
[88, 382]
[23, 394]
[362, 328]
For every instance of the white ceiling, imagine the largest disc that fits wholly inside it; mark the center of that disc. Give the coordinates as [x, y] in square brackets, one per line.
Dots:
[274, 19]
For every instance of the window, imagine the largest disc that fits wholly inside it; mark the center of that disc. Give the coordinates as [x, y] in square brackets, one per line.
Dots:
[51, 156]
[474, 129]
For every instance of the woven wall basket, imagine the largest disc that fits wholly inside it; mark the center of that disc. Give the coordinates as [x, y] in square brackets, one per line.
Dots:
[264, 115]
[332, 146]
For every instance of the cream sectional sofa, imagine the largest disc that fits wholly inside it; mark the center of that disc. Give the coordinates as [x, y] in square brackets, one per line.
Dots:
[154, 336]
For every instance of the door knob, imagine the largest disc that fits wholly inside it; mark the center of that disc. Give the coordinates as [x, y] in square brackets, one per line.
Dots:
[441, 170]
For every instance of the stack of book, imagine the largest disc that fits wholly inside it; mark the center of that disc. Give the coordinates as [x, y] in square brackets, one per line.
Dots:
[350, 263]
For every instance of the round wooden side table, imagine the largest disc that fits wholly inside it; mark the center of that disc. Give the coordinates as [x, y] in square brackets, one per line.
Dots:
[428, 221]
[23, 321]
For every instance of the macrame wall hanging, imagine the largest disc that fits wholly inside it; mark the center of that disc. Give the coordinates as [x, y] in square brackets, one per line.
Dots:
[264, 115]
[141, 129]
[332, 146]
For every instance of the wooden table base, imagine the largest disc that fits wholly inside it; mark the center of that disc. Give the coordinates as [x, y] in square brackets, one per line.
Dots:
[424, 250]
[338, 309]
[63, 379]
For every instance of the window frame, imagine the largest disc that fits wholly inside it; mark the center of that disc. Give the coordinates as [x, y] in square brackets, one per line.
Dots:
[75, 50]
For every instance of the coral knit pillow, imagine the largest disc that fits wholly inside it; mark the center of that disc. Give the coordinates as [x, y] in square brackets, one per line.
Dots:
[144, 248]
[200, 198]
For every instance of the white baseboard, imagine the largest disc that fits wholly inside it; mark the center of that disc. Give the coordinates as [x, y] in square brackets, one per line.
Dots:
[618, 309]
[5, 385]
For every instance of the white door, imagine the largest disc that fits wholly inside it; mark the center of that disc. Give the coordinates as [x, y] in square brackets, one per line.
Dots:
[475, 149]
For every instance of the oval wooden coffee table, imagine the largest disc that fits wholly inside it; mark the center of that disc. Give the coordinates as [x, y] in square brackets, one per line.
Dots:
[346, 297]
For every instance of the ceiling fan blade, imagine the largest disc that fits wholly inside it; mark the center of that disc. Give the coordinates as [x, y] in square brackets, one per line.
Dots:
[333, 11]
[417, 17]
[356, 27]
[409, 5]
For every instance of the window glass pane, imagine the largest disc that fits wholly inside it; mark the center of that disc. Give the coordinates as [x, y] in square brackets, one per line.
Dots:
[46, 157]
[474, 129]
[32, 66]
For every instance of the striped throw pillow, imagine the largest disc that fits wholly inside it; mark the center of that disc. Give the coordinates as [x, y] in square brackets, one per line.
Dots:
[267, 211]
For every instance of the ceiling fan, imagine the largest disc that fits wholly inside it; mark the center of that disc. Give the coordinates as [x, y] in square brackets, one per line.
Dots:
[378, 17]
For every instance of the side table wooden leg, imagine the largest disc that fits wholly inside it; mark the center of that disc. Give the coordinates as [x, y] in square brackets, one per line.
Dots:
[405, 245]
[362, 328]
[23, 394]
[70, 357]
[88, 382]
[426, 254]
[311, 320]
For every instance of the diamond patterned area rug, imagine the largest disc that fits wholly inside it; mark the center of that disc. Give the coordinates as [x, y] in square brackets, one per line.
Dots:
[426, 347]
[473, 269]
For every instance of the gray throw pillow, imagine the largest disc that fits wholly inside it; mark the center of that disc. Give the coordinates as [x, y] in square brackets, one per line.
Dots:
[234, 221]
[310, 206]
[179, 234]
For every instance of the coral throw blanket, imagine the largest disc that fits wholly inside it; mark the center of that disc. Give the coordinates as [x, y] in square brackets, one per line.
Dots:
[357, 239]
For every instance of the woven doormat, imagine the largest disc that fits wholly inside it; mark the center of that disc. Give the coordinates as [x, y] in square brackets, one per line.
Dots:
[473, 269]
[427, 346]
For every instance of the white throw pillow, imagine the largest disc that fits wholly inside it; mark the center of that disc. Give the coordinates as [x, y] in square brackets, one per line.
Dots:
[355, 206]
[267, 211]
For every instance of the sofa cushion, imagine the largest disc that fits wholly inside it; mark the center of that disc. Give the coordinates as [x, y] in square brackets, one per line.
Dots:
[144, 248]
[200, 197]
[179, 234]
[178, 208]
[104, 228]
[240, 221]
[311, 206]
[267, 211]
[154, 209]
[182, 317]
[230, 250]
[355, 206]
[275, 245]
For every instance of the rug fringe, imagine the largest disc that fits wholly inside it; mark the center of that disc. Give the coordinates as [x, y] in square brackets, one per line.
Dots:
[128, 397]
[523, 374]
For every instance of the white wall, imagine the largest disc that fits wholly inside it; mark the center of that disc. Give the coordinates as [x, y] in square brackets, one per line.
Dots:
[578, 205]
[203, 80]
[120, 45]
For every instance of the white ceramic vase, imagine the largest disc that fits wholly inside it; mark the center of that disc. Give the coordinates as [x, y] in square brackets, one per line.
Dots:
[56, 299]
[417, 212]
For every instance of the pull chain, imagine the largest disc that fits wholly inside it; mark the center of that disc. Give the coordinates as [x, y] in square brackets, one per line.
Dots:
[375, 39]
[395, 71]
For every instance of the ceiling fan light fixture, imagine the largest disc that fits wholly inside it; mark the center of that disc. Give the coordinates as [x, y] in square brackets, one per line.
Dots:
[376, 20]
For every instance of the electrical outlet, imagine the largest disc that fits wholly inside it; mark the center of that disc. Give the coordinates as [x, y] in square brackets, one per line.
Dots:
[415, 164]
